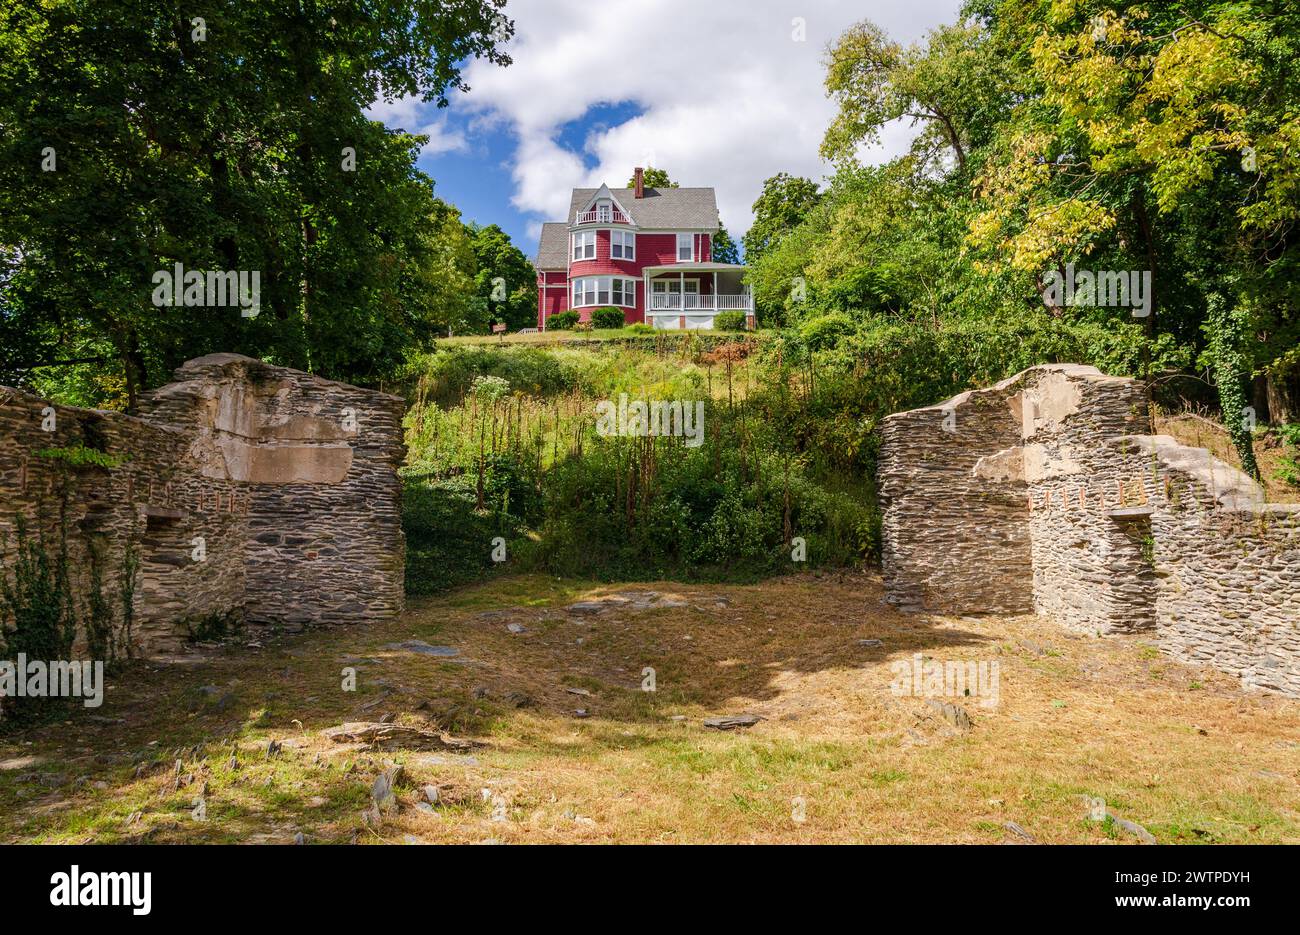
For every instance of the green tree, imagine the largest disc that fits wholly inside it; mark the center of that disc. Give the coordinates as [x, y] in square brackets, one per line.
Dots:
[133, 137]
[784, 203]
[950, 86]
[1165, 138]
[724, 248]
[505, 280]
[653, 178]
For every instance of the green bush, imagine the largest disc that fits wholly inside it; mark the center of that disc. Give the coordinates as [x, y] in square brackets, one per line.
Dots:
[448, 540]
[562, 321]
[640, 327]
[825, 331]
[448, 375]
[1289, 466]
[729, 321]
[607, 318]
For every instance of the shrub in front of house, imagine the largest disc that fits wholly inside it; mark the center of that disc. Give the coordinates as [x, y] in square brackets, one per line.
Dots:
[609, 317]
[729, 321]
[562, 321]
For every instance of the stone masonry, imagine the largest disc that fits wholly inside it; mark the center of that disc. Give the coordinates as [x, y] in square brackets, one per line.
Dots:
[1046, 494]
[245, 492]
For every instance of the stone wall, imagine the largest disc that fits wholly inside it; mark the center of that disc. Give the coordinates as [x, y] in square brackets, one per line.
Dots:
[1126, 531]
[138, 508]
[247, 492]
[933, 500]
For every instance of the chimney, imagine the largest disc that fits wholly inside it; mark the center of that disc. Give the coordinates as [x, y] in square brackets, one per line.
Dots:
[638, 182]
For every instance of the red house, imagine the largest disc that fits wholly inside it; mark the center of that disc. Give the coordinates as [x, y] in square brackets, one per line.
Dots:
[646, 251]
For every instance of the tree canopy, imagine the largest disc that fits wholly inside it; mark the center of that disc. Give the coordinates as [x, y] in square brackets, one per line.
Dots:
[133, 138]
[653, 178]
[505, 285]
[724, 248]
[1053, 136]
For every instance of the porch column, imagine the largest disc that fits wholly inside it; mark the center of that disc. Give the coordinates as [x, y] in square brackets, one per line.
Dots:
[682, 276]
[715, 290]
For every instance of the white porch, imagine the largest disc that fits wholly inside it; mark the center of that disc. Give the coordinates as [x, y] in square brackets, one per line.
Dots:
[689, 295]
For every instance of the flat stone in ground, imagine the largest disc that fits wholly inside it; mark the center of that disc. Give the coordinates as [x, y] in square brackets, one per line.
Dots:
[732, 723]
[421, 647]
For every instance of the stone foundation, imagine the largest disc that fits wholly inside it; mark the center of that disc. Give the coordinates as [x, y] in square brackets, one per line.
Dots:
[244, 491]
[1045, 493]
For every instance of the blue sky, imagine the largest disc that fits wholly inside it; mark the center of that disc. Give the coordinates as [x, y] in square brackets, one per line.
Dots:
[723, 94]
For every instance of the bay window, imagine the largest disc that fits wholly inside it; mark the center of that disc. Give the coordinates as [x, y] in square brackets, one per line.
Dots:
[603, 290]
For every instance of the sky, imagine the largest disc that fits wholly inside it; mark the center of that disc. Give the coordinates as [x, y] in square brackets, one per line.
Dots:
[721, 93]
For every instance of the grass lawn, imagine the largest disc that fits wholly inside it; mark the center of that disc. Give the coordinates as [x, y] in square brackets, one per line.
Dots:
[572, 337]
[837, 757]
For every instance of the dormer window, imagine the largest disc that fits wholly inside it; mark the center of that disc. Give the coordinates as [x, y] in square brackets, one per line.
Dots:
[603, 212]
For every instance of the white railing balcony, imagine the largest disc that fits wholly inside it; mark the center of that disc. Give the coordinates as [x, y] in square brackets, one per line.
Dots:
[702, 303]
[602, 216]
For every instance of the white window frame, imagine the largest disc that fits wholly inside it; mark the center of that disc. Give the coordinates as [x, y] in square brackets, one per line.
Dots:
[625, 241]
[581, 241]
[675, 286]
[587, 292]
[689, 240]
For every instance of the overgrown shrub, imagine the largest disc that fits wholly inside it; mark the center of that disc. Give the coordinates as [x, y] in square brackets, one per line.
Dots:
[37, 598]
[1289, 467]
[825, 331]
[448, 376]
[562, 321]
[607, 318]
[729, 321]
[448, 538]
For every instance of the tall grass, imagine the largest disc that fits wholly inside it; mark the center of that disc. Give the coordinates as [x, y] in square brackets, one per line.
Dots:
[503, 442]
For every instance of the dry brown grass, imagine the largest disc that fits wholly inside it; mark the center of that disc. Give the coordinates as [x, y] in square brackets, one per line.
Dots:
[1183, 752]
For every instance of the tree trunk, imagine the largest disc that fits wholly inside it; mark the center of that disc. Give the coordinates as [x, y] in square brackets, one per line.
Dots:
[1282, 398]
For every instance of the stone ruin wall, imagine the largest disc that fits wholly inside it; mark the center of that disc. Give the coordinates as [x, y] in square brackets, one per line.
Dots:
[1127, 532]
[1227, 565]
[926, 476]
[298, 503]
[1088, 568]
[135, 506]
[321, 461]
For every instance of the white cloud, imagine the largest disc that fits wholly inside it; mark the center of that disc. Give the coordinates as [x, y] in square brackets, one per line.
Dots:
[728, 96]
[411, 114]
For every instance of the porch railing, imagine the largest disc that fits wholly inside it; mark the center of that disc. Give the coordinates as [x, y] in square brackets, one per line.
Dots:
[597, 216]
[702, 303]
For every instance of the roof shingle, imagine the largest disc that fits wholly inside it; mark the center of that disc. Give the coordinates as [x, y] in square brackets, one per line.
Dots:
[660, 208]
[657, 209]
[553, 246]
